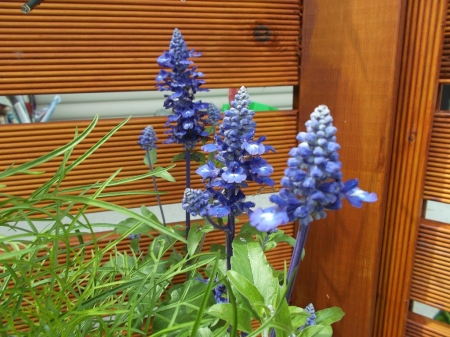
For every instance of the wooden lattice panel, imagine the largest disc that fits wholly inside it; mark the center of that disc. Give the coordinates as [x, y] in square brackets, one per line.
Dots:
[112, 45]
[20, 143]
[437, 180]
[419, 326]
[431, 273]
[445, 65]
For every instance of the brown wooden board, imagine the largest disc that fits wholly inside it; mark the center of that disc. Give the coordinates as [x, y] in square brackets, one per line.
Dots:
[23, 142]
[79, 46]
[350, 58]
[421, 57]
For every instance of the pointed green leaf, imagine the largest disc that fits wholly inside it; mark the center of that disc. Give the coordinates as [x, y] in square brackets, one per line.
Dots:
[163, 173]
[225, 312]
[198, 157]
[329, 315]
[179, 157]
[298, 316]
[317, 331]
[204, 332]
[248, 290]
[249, 261]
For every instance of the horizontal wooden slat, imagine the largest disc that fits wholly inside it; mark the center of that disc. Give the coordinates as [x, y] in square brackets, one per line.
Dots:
[112, 46]
[21, 143]
[437, 179]
[431, 273]
[420, 326]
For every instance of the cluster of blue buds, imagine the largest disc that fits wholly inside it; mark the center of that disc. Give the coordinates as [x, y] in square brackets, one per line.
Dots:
[311, 320]
[312, 183]
[240, 156]
[213, 113]
[184, 83]
[148, 138]
[219, 291]
[195, 202]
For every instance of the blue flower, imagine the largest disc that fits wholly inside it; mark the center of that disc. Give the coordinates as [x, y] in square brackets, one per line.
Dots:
[213, 115]
[355, 195]
[240, 156]
[184, 83]
[195, 202]
[148, 138]
[268, 219]
[312, 183]
[208, 171]
[234, 173]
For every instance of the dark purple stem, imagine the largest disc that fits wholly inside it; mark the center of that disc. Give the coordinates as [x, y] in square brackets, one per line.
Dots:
[188, 185]
[155, 186]
[231, 228]
[216, 226]
[296, 258]
[295, 262]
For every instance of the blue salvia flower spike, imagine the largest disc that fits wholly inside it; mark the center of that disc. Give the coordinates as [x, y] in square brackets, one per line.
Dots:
[186, 125]
[241, 162]
[147, 141]
[312, 184]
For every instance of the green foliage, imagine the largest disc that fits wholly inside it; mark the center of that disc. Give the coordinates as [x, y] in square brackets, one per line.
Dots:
[59, 278]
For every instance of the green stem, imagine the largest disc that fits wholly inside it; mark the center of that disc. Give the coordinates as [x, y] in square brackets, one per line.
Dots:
[155, 186]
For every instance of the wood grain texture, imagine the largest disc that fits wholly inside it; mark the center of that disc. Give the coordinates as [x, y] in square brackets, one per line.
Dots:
[350, 57]
[79, 46]
[431, 271]
[437, 179]
[424, 33]
[419, 326]
[24, 142]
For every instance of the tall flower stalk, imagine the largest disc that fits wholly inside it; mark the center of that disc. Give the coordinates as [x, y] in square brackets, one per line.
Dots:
[147, 141]
[312, 184]
[185, 124]
[239, 155]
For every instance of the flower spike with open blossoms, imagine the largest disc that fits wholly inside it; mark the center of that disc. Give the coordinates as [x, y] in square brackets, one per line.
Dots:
[240, 156]
[312, 184]
[184, 83]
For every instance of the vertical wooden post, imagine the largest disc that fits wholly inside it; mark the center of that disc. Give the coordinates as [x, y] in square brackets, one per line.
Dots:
[422, 46]
[350, 62]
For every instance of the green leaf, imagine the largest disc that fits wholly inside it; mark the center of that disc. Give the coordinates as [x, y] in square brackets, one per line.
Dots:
[153, 157]
[32, 172]
[225, 312]
[163, 173]
[204, 332]
[298, 316]
[51, 155]
[249, 261]
[194, 237]
[197, 157]
[179, 157]
[317, 331]
[329, 315]
[215, 247]
[210, 129]
[248, 290]
[282, 313]
[109, 206]
[281, 237]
